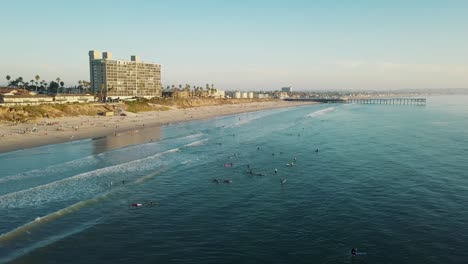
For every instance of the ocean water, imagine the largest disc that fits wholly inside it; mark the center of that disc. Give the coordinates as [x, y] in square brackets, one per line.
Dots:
[391, 181]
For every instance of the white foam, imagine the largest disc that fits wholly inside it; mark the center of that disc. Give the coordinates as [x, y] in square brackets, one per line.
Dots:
[321, 112]
[196, 143]
[81, 186]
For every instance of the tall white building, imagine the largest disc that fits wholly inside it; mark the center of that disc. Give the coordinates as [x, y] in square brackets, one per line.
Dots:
[123, 79]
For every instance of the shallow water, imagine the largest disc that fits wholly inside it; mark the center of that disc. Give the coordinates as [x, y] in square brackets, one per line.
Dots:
[389, 180]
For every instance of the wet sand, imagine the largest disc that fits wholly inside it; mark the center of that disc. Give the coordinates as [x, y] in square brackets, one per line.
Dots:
[127, 130]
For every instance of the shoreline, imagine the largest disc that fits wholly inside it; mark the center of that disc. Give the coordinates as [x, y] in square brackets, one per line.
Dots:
[48, 131]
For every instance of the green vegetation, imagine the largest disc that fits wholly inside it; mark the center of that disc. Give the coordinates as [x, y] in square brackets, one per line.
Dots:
[29, 113]
[137, 106]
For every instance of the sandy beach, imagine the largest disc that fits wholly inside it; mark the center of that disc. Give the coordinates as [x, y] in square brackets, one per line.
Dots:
[58, 130]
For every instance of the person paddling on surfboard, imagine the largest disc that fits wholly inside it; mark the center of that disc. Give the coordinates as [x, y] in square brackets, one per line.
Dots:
[353, 251]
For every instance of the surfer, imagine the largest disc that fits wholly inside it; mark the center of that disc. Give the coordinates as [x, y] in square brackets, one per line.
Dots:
[276, 170]
[353, 251]
[227, 181]
[316, 150]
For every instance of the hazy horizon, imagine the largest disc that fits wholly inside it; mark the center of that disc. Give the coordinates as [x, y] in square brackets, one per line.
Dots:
[246, 45]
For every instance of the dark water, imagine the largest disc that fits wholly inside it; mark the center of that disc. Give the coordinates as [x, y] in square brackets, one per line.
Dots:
[389, 180]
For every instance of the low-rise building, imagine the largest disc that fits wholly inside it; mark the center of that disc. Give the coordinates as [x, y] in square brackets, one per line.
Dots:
[73, 98]
[12, 100]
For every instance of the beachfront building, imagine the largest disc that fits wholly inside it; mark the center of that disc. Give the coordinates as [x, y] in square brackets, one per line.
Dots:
[286, 89]
[240, 95]
[218, 94]
[280, 95]
[261, 95]
[123, 79]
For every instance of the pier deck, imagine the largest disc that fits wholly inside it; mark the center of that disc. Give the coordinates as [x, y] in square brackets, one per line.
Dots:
[389, 101]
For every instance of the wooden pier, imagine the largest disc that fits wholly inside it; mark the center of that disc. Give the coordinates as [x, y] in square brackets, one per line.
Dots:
[387, 101]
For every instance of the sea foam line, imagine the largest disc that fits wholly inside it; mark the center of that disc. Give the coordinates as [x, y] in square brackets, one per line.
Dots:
[196, 143]
[321, 112]
[24, 229]
[80, 163]
[31, 196]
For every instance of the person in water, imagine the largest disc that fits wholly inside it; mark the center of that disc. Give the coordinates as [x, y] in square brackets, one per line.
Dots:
[353, 251]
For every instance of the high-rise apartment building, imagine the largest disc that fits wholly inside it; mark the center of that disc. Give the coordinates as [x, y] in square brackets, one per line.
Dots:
[124, 79]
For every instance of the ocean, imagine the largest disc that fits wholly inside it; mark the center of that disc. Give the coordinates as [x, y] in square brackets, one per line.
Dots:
[391, 181]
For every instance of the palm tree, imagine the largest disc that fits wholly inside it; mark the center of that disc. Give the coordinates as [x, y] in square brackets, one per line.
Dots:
[58, 81]
[8, 77]
[86, 85]
[80, 85]
[43, 84]
[61, 85]
[37, 77]
[19, 81]
[45, 87]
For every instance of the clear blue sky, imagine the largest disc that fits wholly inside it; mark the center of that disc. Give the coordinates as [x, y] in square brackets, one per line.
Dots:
[256, 44]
